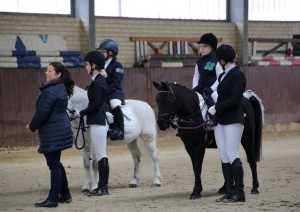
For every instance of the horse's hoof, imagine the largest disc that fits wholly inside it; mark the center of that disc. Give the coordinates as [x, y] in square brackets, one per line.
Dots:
[85, 191]
[254, 191]
[132, 185]
[156, 185]
[195, 196]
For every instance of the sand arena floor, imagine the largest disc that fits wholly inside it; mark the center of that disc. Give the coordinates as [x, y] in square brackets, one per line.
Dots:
[24, 179]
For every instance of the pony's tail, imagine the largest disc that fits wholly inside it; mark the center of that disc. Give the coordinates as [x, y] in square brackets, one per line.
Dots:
[258, 110]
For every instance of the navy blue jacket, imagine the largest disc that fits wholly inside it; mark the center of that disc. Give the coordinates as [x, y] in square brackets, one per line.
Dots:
[115, 74]
[207, 70]
[230, 94]
[95, 112]
[51, 118]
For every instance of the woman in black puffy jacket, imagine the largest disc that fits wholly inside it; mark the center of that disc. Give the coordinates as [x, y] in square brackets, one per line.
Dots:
[54, 128]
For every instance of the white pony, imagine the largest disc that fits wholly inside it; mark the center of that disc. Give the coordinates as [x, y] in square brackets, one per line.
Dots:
[139, 124]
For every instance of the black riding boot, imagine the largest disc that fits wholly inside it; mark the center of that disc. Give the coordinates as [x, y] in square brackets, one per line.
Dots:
[118, 133]
[228, 182]
[102, 189]
[238, 176]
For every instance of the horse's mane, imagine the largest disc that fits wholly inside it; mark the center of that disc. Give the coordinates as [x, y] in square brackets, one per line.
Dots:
[181, 86]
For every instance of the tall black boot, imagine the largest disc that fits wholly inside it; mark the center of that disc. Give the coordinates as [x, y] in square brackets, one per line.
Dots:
[228, 182]
[118, 133]
[238, 176]
[102, 189]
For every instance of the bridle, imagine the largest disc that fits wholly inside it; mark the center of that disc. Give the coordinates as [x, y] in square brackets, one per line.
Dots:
[179, 122]
[81, 127]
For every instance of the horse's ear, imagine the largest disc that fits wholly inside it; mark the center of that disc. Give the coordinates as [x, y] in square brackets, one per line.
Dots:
[164, 85]
[157, 85]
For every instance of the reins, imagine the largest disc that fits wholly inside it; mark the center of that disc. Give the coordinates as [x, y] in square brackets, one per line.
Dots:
[82, 127]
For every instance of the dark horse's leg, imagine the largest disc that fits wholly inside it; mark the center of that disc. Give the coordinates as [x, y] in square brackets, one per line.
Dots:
[251, 141]
[196, 153]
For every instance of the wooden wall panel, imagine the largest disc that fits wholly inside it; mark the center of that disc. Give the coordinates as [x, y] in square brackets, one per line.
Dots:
[278, 87]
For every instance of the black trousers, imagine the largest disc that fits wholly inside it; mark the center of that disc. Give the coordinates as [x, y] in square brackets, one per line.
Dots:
[59, 181]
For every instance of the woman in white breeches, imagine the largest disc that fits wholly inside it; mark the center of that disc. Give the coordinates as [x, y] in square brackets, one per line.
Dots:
[228, 139]
[98, 135]
[227, 93]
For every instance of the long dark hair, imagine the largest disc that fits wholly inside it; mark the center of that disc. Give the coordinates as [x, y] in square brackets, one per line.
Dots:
[65, 75]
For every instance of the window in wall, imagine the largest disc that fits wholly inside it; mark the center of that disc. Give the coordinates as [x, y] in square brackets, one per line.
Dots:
[36, 6]
[259, 10]
[173, 9]
[274, 10]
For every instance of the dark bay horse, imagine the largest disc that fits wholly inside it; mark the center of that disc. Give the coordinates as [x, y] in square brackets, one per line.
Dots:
[180, 107]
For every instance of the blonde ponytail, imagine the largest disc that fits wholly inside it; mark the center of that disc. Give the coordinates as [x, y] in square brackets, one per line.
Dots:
[103, 73]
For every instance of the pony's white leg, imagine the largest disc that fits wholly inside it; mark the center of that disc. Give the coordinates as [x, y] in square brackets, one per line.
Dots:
[94, 169]
[95, 173]
[150, 142]
[85, 152]
[136, 156]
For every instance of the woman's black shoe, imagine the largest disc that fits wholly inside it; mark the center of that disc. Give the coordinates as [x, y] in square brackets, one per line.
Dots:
[65, 198]
[225, 197]
[46, 204]
[99, 191]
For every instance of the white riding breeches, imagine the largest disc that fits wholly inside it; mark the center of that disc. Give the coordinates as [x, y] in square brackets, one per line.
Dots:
[214, 96]
[228, 139]
[98, 135]
[115, 103]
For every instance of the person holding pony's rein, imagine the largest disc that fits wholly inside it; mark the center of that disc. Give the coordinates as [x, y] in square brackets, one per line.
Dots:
[97, 116]
[230, 123]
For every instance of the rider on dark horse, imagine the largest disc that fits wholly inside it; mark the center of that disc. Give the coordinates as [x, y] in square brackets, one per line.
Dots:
[205, 69]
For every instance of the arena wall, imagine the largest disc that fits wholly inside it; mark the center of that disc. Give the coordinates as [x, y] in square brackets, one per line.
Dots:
[122, 29]
[19, 87]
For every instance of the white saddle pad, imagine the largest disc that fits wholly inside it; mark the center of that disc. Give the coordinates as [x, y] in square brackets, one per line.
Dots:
[202, 105]
[130, 119]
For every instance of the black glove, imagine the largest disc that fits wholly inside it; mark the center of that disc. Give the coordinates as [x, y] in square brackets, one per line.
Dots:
[208, 91]
[197, 89]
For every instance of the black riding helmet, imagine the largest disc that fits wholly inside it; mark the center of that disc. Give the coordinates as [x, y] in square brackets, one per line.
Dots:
[226, 52]
[110, 45]
[209, 39]
[95, 57]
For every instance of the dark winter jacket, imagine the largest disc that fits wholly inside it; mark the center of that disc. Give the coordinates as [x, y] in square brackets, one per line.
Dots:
[95, 112]
[51, 119]
[230, 94]
[207, 70]
[115, 74]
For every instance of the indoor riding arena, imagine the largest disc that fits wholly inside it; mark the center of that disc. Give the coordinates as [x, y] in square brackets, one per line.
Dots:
[161, 49]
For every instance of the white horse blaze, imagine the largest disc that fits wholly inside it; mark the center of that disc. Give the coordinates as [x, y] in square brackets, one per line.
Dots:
[139, 123]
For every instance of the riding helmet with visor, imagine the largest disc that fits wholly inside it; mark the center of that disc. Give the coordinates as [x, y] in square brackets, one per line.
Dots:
[209, 39]
[109, 45]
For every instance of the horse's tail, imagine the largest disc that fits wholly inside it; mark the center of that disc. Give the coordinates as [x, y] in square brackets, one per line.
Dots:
[258, 110]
